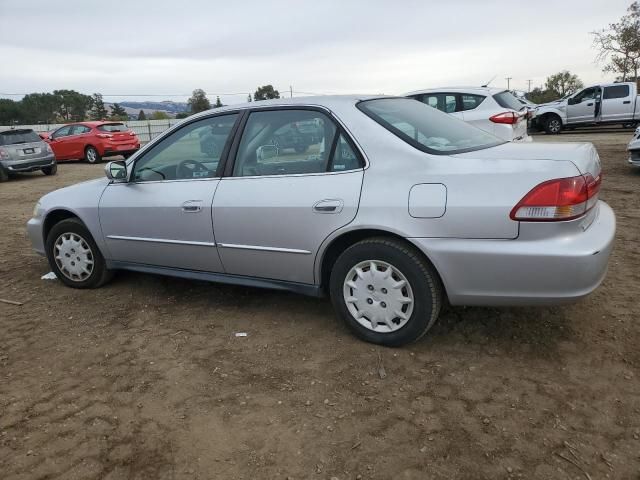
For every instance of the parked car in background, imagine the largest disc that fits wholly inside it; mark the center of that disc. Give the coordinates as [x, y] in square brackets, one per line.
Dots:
[22, 150]
[92, 141]
[634, 149]
[493, 110]
[298, 136]
[406, 207]
[605, 103]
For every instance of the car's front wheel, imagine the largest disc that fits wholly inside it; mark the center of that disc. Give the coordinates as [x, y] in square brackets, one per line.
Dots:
[74, 256]
[52, 170]
[553, 124]
[4, 175]
[385, 291]
[91, 155]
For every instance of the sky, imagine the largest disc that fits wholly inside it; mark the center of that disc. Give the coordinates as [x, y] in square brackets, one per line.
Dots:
[164, 49]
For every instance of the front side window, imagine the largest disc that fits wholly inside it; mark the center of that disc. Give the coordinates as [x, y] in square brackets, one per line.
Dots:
[62, 132]
[286, 142]
[586, 94]
[425, 128]
[617, 91]
[190, 153]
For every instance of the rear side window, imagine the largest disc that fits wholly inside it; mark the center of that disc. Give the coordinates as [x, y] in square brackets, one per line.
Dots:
[470, 101]
[507, 99]
[617, 91]
[425, 128]
[113, 127]
[13, 137]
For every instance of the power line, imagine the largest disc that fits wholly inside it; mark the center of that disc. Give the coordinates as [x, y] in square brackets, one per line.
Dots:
[508, 79]
[136, 94]
[529, 82]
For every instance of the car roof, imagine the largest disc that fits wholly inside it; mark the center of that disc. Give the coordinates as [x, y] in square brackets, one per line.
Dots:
[477, 90]
[330, 102]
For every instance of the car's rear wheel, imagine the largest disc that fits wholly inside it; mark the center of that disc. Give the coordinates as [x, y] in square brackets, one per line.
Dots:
[4, 175]
[91, 155]
[553, 124]
[74, 256]
[52, 170]
[385, 291]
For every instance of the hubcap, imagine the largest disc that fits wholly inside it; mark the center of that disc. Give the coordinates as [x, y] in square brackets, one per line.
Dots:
[555, 125]
[91, 155]
[73, 257]
[378, 296]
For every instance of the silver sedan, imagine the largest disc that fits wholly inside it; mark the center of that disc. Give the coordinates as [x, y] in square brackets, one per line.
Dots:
[385, 204]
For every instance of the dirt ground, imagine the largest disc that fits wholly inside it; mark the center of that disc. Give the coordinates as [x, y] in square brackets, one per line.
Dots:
[145, 378]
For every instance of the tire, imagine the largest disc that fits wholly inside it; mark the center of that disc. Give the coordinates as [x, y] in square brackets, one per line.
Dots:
[301, 148]
[74, 230]
[52, 170]
[4, 175]
[422, 287]
[552, 124]
[91, 155]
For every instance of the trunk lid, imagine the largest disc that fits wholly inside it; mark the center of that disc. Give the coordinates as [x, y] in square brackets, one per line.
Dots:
[583, 155]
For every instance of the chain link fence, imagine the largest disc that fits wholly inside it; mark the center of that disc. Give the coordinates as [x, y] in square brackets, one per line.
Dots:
[145, 129]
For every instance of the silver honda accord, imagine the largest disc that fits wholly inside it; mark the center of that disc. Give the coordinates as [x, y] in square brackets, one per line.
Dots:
[385, 204]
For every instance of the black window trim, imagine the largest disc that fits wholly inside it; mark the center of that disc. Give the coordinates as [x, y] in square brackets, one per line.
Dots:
[607, 87]
[406, 138]
[340, 130]
[223, 156]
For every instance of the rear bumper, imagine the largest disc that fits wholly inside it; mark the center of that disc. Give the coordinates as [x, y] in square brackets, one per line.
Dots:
[111, 150]
[634, 157]
[29, 165]
[543, 271]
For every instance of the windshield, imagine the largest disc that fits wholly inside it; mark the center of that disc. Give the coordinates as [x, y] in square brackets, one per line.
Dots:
[427, 128]
[18, 136]
[113, 127]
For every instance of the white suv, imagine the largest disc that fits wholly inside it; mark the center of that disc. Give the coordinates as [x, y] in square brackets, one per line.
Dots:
[494, 110]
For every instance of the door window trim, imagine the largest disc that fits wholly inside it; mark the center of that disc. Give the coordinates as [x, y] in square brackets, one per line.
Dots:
[223, 156]
[340, 130]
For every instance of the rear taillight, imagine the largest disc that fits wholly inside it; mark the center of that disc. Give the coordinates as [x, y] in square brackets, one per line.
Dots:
[4, 154]
[133, 134]
[559, 199]
[105, 135]
[505, 117]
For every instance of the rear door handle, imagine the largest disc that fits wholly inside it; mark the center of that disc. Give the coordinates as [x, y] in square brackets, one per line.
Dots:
[192, 206]
[589, 104]
[328, 206]
[627, 102]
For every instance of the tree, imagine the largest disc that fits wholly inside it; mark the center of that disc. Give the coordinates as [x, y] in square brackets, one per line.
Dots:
[539, 95]
[249, 98]
[98, 110]
[182, 115]
[40, 107]
[218, 103]
[266, 92]
[72, 105]
[199, 101]
[619, 44]
[141, 115]
[9, 111]
[158, 115]
[563, 83]
[118, 113]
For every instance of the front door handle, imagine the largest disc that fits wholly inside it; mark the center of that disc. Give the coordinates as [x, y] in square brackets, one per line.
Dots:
[192, 206]
[627, 102]
[328, 206]
[589, 104]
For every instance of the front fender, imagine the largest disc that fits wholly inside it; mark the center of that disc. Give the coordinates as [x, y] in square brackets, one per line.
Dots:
[559, 111]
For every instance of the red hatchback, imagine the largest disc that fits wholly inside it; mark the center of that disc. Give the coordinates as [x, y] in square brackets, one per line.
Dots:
[92, 141]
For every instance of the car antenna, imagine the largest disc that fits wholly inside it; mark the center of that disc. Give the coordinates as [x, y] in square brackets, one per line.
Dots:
[487, 84]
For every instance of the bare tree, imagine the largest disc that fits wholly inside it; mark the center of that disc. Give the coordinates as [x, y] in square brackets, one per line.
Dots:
[619, 45]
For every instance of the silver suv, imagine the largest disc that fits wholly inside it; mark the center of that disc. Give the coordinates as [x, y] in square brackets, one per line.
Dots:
[22, 150]
[393, 207]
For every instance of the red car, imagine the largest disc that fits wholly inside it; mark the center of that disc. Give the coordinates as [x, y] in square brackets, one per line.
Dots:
[92, 140]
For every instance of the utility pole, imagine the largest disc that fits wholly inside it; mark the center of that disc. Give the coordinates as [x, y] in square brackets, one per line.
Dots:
[529, 82]
[291, 90]
[508, 79]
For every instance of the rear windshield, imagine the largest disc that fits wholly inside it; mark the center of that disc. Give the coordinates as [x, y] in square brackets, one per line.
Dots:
[507, 99]
[113, 127]
[426, 128]
[18, 136]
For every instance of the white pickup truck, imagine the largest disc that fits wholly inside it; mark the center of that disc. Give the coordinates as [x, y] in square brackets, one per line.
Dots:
[606, 103]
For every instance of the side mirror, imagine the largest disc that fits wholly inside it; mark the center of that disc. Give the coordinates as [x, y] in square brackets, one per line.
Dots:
[266, 152]
[116, 171]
